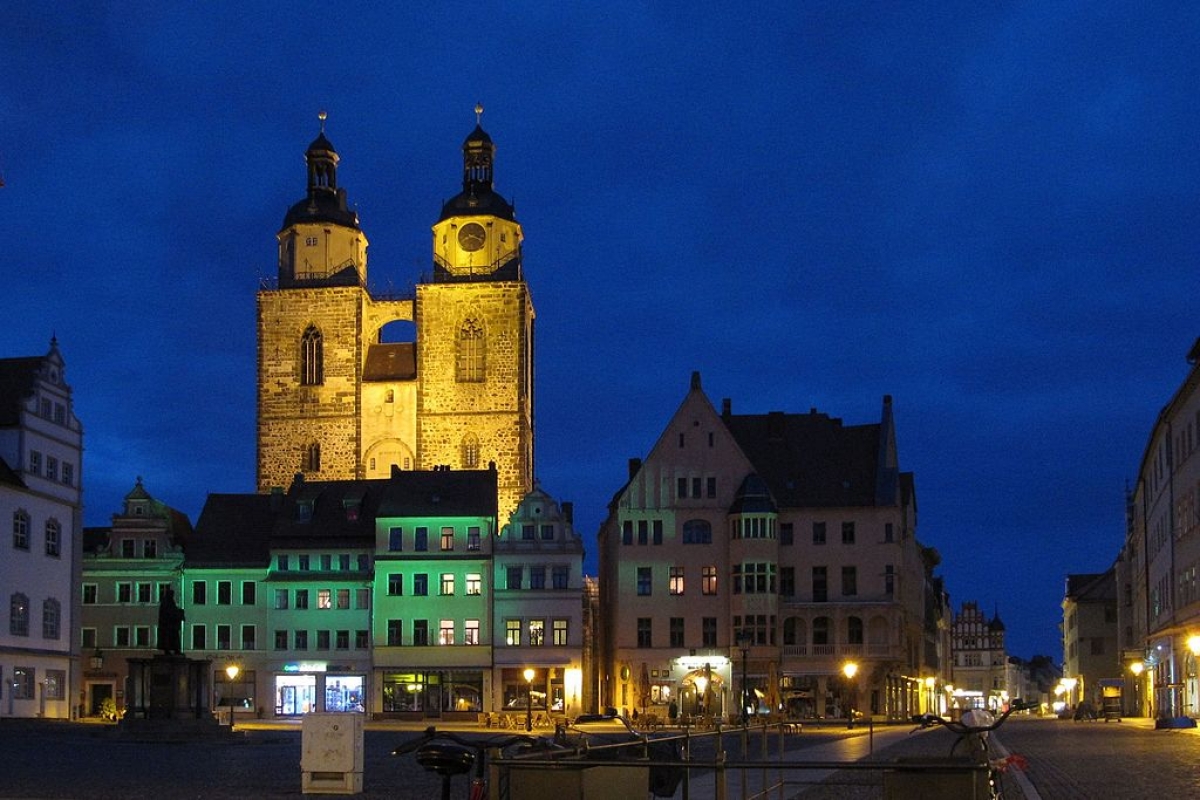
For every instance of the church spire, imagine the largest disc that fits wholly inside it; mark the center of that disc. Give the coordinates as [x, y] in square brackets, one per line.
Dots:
[479, 154]
[322, 162]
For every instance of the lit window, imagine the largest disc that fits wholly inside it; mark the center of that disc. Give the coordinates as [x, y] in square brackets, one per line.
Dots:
[676, 580]
[512, 632]
[708, 580]
[446, 632]
[474, 583]
[560, 633]
[471, 632]
[447, 539]
[324, 598]
[537, 632]
[447, 583]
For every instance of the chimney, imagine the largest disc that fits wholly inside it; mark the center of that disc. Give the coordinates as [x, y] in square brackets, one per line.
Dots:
[634, 465]
[726, 408]
[568, 510]
[696, 380]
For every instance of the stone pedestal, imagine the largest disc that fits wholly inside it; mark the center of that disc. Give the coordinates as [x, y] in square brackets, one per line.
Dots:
[168, 697]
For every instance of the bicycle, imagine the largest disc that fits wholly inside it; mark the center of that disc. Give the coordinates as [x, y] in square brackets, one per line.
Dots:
[972, 741]
[448, 754]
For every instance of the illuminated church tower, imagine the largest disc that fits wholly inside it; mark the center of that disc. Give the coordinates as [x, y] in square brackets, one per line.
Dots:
[337, 402]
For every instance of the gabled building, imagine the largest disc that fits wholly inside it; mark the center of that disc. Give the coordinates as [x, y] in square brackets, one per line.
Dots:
[41, 474]
[756, 556]
[127, 569]
[982, 676]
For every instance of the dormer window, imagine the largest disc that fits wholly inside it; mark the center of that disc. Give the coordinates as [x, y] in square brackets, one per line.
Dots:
[351, 507]
[304, 511]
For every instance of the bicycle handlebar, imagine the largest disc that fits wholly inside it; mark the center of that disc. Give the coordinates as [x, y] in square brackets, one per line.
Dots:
[957, 726]
[431, 733]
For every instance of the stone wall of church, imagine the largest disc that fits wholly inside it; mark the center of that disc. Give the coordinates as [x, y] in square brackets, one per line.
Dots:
[291, 416]
[496, 412]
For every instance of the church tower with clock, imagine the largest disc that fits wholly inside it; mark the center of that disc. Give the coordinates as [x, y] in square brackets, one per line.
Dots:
[336, 402]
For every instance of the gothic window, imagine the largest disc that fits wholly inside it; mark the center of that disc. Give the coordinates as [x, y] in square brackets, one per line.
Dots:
[310, 458]
[470, 356]
[312, 358]
[470, 451]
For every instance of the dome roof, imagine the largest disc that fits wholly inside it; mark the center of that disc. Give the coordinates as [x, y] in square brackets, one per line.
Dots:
[324, 202]
[477, 196]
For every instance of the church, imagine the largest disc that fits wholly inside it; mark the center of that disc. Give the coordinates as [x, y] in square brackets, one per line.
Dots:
[338, 402]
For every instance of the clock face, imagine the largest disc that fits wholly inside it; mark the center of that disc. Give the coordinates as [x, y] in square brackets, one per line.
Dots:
[471, 236]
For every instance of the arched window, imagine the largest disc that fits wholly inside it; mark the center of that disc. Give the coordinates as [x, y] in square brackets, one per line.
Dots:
[312, 358]
[470, 451]
[789, 631]
[821, 630]
[470, 355]
[854, 630]
[51, 616]
[310, 459]
[18, 615]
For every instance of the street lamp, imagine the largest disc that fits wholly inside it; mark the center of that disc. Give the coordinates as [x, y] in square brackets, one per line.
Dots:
[231, 672]
[850, 669]
[529, 673]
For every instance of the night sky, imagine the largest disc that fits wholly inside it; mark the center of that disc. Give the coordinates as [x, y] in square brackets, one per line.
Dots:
[986, 210]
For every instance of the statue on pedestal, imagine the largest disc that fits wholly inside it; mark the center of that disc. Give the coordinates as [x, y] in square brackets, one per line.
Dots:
[170, 618]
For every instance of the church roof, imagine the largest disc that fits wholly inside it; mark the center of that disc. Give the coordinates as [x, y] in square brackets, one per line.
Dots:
[391, 362]
[233, 530]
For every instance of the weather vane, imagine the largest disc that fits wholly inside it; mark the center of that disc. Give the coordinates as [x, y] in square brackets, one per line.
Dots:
[321, 115]
[478, 113]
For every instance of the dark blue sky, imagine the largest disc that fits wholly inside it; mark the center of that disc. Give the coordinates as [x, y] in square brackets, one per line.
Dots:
[986, 210]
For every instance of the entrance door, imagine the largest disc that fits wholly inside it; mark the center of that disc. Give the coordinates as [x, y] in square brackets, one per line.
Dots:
[100, 693]
[433, 701]
[287, 701]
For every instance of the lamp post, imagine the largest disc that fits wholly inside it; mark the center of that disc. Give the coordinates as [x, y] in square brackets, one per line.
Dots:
[231, 672]
[529, 673]
[850, 669]
[1137, 667]
[744, 639]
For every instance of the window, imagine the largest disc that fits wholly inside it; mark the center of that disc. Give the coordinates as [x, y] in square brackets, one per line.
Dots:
[149, 548]
[512, 632]
[711, 489]
[90, 594]
[787, 581]
[643, 632]
[323, 640]
[560, 632]
[675, 578]
[249, 637]
[249, 593]
[854, 630]
[513, 577]
[302, 563]
[326, 562]
[420, 584]
[145, 592]
[818, 533]
[121, 636]
[20, 530]
[820, 585]
[786, 533]
[537, 578]
[312, 357]
[51, 617]
[849, 581]
[889, 580]
[697, 531]
[299, 640]
[643, 528]
[656, 535]
[343, 599]
[469, 361]
[474, 583]
[68, 474]
[446, 632]
[52, 468]
[675, 632]
[847, 533]
[695, 487]
[471, 631]
[421, 540]
[528, 532]
[395, 539]
[447, 584]
[124, 592]
[199, 593]
[281, 640]
[281, 599]
[395, 584]
[224, 637]
[362, 598]
[56, 683]
[708, 632]
[341, 640]
[560, 575]
[470, 451]
[281, 562]
[708, 580]
[53, 538]
[141, 635]
[199, 637]
[889, 532]
[35, 462]
[18, 614]
[537, 632]
[395, 632]
[681, 485]
[363, 562]
[447, 539]
[627, 532]
[324, 598]
[24, 683]
[224, 593]
[644, 580]
[301, 599]
[344, 562]
[473, 539]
